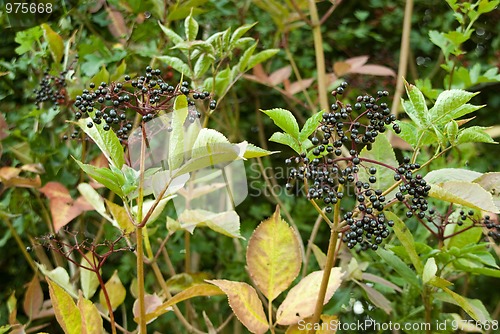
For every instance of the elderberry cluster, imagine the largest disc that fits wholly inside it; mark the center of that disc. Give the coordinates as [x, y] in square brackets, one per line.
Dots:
[333, 165]
[111, 106]
[52, 89]
[415, 186]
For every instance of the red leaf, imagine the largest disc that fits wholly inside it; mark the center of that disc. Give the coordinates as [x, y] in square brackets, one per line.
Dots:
[62, 212]
[57, 190]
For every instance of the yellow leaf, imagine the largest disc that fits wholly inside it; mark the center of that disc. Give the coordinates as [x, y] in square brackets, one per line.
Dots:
[67, 314]
[273, 256]
[196, 290]
[91, 320]
[120, 216]
[116, 292]
[245, 304]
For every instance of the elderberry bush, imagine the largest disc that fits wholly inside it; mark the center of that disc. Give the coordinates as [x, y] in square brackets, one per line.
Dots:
[114, 106]
[331, 169]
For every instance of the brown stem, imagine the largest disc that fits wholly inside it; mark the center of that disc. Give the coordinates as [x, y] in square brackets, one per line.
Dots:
[320, 56]
[403, 57]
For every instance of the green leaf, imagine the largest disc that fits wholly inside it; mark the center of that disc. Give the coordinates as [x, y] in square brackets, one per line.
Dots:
[475, 270]
[451, 174]
[27, 38]
[172, 35]
[253, 151]
[383, 152]
[286, 139]
[176, 149]
[94, 199]
[465, 303]
[416, 107]
[206, 138]
[108, 142]
[474, 134]
[311, 125]
[202, 65]
[88, 279]
[285, 120]
[442, 42]
[60, 276]
[465, 193]
[483, 257]
[273, 256]
[177, 64]
[245, 58]
[101, 76]
[191, 27]
[104, 176]
[451, 131]
[148, 204]
[430, 270]
[56, 45]
[399, 266]
[239, 32]
[450, 105]
[67, 314]
[469, 236]
[260, 57]
[406, 238]
[218, 154]
[118, 73]
[409, 133]
[487, 6]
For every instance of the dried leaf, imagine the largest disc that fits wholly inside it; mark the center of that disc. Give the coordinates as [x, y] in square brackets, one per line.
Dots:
[301, 299]
[273, 256]
[356, 62]
[374, 70]
[245, 304]
[4, 128]
[280, 75]
[340, 68]
[299, 86]
[33, 298]
[117, 27]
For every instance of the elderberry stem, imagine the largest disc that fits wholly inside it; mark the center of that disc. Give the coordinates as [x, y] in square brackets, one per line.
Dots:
[139, 235]
[330, 261]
